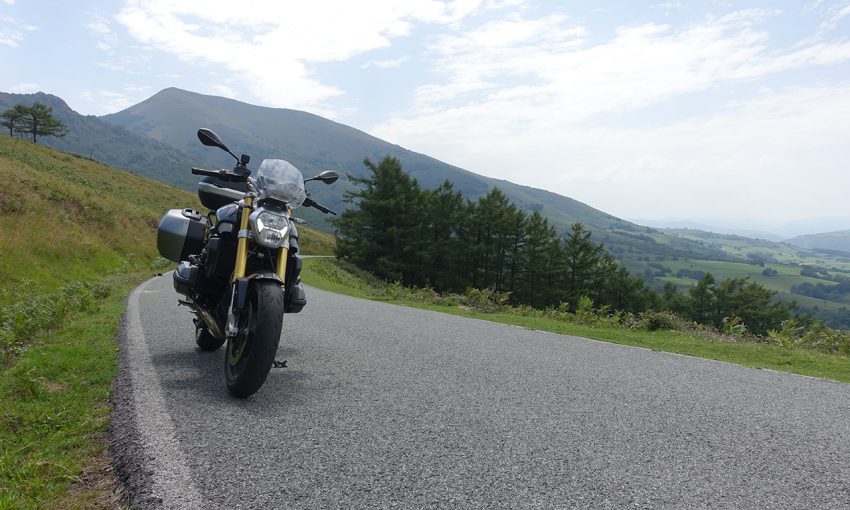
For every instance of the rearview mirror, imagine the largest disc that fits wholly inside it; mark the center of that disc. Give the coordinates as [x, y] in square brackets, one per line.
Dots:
[210, 139]
[327, 177]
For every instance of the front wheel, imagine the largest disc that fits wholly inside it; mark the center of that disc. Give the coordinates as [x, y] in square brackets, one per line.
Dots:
[250, 354]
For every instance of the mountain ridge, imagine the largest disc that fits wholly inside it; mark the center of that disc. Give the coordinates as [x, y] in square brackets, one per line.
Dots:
[838, 240]
[313, 143]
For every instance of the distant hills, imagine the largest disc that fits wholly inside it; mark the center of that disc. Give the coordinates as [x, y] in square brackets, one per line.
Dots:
[833, 241]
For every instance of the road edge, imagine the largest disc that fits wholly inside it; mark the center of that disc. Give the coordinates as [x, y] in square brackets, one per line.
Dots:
[151, 467]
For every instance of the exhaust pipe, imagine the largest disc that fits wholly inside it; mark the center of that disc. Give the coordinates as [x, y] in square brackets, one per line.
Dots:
[203, 314]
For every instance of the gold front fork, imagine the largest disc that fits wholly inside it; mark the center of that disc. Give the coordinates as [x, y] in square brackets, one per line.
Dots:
[242, 242]
[282, 255]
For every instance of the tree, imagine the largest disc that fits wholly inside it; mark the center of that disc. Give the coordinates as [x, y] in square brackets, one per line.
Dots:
[493, 225]
[582, 265]
[711, 303]
[13, 118]
[444, 210]
[39, 121]
[385, 233]
[702, 305]
[537, 260]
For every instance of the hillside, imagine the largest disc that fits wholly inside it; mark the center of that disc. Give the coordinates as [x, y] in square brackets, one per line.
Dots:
[64, 218]
[71, 219]
[111, 144]
[829, 241]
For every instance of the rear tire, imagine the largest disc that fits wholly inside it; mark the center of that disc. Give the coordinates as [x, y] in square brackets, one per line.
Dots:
[205, 340]
[250, 354]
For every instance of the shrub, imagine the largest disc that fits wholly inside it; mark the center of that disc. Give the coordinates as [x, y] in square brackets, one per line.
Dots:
[654, 320]
[486, 300]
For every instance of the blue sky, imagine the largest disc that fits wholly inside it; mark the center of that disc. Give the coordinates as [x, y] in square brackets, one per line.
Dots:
[732, 112]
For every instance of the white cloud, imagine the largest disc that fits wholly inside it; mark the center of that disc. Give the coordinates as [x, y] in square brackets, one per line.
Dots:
[385, 64]
[13, 31]
[836, 14]
[101, 102]
[101, 27]
[272, 45]
[24, 88]
[129, 64]
[534, 99]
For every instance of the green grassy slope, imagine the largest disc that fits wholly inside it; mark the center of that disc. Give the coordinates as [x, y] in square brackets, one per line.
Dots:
[75, 237]
[64, 218]
[111, 144]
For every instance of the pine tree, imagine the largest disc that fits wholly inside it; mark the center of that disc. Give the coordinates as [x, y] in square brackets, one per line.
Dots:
[702, 305]
[581, 266]
[13, 118]
[39, 121]
[442, 248]
[537, 259]
[384, 234]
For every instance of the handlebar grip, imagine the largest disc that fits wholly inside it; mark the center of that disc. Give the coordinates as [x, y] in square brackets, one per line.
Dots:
[309, 202]
[224, 175]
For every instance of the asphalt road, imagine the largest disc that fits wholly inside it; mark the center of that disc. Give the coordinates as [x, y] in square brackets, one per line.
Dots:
[390, 407]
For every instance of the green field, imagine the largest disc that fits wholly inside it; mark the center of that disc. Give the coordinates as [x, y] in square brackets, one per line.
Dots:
[788, 275]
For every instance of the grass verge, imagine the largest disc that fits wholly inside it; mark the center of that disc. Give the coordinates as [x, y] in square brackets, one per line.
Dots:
[327, 275]
[55, 401]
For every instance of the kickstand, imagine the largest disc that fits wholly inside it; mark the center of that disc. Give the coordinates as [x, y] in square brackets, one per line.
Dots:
[279, 364]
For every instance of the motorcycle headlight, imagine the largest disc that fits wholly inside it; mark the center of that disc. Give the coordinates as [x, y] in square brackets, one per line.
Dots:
[270, 228]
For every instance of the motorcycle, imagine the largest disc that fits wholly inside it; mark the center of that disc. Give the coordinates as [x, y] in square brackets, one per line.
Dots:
[238, 265]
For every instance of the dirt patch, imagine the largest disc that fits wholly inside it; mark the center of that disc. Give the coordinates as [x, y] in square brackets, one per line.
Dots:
[52, 387]
[71, 206]
[96, 488]
[7, 204]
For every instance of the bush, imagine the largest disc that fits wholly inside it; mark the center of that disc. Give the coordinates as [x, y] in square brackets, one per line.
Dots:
[654, 320]
[486, 300]
[818, 337]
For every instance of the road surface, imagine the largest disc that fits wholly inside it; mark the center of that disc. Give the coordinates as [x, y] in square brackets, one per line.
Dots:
[384, 406]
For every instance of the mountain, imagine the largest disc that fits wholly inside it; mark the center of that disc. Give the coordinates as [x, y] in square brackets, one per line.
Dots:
[313, 143]
[678, 224]
[831, 241]
[89, 136]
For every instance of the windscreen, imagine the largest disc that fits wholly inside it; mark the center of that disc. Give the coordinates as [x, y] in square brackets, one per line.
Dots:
[280, 180]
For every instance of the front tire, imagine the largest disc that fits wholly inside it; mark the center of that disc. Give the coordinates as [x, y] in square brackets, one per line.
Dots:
[250, 354]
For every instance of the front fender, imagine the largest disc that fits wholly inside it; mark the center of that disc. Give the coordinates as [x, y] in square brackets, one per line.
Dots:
[240, 287]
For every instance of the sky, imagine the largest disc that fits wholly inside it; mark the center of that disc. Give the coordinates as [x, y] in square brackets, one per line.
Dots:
[727, 112]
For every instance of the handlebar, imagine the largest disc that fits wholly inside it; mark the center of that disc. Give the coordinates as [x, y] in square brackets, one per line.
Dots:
[224, 175]
[309, 202]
